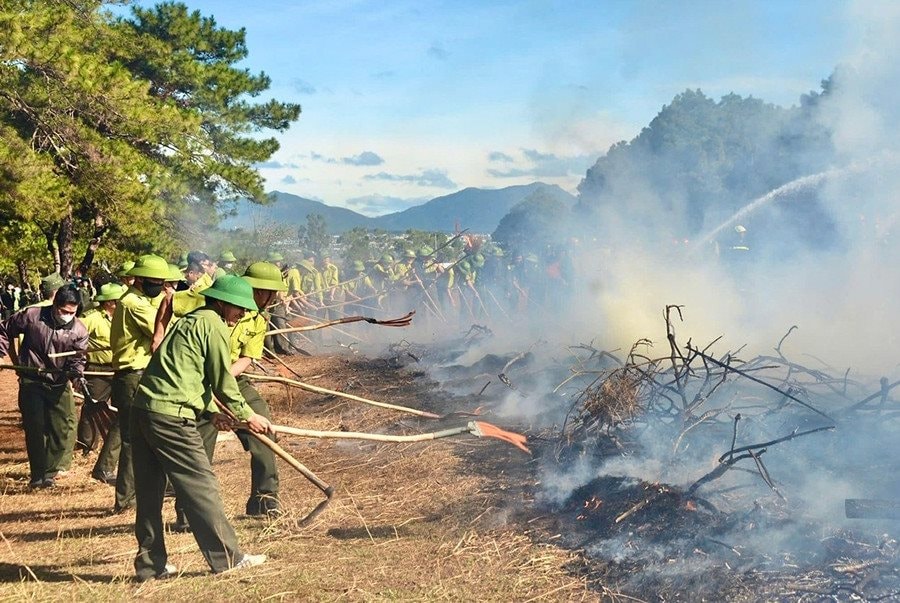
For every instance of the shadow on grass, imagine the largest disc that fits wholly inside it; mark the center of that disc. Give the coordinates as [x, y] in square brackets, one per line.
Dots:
[74, 533]
[42, 516]
[12, 572]
[366, 533]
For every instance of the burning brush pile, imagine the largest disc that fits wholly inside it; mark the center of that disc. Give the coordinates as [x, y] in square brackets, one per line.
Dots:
[705, 475]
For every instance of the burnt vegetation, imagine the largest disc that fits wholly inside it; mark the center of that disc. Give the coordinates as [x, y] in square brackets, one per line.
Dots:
[706, 474]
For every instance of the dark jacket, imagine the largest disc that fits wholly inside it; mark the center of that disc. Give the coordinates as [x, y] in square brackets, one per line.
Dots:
[42, 337]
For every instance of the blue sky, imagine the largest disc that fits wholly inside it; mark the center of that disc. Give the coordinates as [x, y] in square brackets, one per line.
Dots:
[405, 101]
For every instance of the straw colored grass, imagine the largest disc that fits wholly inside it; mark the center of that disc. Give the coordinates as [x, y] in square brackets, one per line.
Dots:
[408, 522]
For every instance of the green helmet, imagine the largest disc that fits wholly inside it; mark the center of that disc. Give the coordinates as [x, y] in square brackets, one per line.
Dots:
[464, 266]
[387, 258]
[498, 252]
[274, 256]
[358, 266]
[123, 271]
[425, 251]
[409, 253]
[109, 292]
[478, 260]
[306, 265]
[227, 257]
[263, 275]
[232, 290]
[175, 274]
[150, 266]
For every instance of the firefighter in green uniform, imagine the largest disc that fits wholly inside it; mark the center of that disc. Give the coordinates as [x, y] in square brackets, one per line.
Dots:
[190, 366]
[227, 261]
[247, 340]
[131, 339]
[99, 357]
[278, 319]
[358, 288]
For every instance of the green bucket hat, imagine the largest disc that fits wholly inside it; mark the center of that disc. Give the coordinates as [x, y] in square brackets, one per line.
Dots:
[109, 292]
[123, 271]
[226, 257]
[52, 282]
[263, 275]
[150, 266]
[232, 290]
[175, 274]
[358, 266]
[274, 256]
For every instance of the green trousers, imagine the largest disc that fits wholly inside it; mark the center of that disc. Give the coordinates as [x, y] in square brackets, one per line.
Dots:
[101, 391]
[263, 466]
[171, 447]
[48, 416]
[124, 386]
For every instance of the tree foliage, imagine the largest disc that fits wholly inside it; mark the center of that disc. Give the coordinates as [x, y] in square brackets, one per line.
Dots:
[699, 156]
[534, 224]
[120, 129]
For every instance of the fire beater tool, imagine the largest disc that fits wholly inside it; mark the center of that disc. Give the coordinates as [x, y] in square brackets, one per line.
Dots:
[477, 428]
[327, 490]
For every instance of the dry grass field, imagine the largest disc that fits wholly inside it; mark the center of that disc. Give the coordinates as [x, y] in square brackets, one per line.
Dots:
[423, 521]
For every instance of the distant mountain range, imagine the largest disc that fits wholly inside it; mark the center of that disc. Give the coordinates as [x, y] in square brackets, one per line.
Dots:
[479, 210]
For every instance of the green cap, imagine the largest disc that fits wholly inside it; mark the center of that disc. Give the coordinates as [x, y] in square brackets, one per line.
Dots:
[110, 291]
[263, 275]
[150, 266]
[274, 256]
[175, 274]
[425, 251]
[409, 253]
[51, 282]
[227, 256]
[123, 271]
[358, 266]
[232, 290]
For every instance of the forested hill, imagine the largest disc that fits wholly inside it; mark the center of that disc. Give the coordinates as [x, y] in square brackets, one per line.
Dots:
[479, 210]
[699, 160]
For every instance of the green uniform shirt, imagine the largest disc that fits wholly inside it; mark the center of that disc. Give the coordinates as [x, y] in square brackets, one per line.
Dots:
[190, 366]
[311, 286]
[185, 302]
[360, 286]
[98, 324]
[248, 336]
[331, 276]
[292, 280]
[131, 331]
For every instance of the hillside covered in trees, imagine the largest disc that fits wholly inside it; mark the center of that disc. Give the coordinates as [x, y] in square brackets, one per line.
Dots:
[699, 161]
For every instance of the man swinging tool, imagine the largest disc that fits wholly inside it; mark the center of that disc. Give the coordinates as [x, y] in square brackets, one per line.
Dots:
[191, 364]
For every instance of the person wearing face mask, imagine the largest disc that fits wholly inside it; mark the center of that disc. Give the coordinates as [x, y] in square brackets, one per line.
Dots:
[45, 394]
[191, 365]
[226, 262]
[131, 338]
